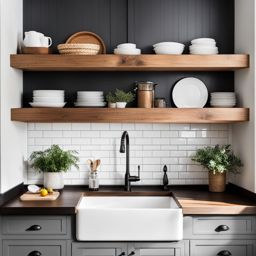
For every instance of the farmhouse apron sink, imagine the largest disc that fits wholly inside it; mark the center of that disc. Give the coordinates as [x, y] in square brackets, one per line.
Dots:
[129, 218]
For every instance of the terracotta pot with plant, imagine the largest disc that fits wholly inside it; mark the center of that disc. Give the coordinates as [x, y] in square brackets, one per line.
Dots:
[218, 161]
[53, 162]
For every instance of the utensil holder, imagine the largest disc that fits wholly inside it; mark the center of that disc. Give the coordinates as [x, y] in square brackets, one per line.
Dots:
[93, 181]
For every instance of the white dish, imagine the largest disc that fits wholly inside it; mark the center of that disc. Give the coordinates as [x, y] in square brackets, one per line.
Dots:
[190, 93]
[124, 51]
[168, 51]
[169, 44]
[47, 105]
[203, 41]
[203, 52]
[49, 99]
[126, 46]
[48, 93]
[84, 104]
[96, 93]
[205, 48]
[33, 189]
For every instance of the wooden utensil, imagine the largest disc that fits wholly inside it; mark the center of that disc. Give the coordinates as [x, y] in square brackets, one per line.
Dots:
[86, 37]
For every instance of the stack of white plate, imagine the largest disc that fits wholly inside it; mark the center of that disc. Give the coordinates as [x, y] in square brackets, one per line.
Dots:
[169, 48]
[90, 99]
[127, 49]
[203, 46]
[48, 99]
[223, 99]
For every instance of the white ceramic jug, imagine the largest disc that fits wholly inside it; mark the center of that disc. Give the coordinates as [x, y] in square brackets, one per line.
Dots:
[33, 39]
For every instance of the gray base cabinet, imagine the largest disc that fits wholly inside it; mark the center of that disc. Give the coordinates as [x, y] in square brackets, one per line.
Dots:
[159, 249]
[98, 249]
[34, 248]
[55, 236]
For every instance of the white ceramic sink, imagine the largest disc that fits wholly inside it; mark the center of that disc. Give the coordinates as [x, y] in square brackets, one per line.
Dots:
[129, 218]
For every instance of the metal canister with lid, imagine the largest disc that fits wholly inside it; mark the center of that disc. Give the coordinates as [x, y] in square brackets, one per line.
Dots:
[145, 94]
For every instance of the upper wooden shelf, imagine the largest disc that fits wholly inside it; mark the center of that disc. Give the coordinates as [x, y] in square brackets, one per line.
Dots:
[130, 115]
[149, 62]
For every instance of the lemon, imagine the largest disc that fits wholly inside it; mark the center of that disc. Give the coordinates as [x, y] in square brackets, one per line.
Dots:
[43, 192]
[50, 190]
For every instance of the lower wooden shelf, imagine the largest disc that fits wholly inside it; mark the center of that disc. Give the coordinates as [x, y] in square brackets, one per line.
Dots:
[130, 115]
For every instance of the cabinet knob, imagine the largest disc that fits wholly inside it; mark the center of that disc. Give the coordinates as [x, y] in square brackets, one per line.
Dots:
[224, 253]
[222, 228]
[35, 253]
[122, 254]
[34, 228]
[132, 253]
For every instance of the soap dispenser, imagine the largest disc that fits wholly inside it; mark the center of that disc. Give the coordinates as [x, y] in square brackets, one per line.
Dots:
[165, 179]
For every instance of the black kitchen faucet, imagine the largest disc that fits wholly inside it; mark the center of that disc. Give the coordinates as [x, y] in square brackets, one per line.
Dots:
[126, 148]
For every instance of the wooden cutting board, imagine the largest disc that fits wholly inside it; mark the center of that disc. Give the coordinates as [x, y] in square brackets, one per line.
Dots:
[36, 197]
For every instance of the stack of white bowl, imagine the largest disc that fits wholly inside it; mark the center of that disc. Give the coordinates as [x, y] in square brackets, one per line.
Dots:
[169, 48]
[90, 99]
[203, 46]
[127, 49]
[48, 99]
[223, 99]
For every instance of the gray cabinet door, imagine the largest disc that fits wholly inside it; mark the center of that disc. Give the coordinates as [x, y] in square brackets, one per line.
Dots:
[34, 248]
[160, 249]
[98, 249]
[216, 247]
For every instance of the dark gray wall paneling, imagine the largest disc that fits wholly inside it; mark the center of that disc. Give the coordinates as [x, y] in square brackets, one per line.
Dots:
[144, 22]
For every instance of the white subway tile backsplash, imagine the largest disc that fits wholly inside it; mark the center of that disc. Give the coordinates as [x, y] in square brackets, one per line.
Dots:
[151, 146]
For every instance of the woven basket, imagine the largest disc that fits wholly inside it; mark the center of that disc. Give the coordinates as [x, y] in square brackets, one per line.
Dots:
[79, 49]
[78, 46]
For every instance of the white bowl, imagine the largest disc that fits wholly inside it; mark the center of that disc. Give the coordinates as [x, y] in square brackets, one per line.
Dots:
[199, 47]
[126, 46]
[203, 41]
[170, 44]
[48, 99]
[48, 93]
[124, 51]
[204, 52]
[169, 50]
[90, 93]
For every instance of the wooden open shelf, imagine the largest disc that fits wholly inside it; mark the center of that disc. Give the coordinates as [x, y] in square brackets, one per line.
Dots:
[150, 62]
[130, 115]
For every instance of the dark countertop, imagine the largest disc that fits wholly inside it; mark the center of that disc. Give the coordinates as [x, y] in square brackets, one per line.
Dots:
[195, 200]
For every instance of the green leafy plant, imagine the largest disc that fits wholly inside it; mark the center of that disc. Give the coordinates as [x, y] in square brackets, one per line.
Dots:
[110, 97]
[218, 159]
[122, 96]
[54, 159]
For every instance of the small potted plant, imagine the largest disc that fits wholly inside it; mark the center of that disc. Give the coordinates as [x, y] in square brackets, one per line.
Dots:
[111, 99]
[53, 162]
[122, 98]
[218, 161]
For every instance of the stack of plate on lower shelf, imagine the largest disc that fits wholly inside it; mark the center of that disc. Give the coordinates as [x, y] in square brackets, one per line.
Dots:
[204, 46]
[90, 99]
[48, 99]
[223, 99]
[79, 49]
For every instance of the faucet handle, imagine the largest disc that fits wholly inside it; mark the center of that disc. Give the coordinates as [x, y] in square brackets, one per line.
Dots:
[135, 178]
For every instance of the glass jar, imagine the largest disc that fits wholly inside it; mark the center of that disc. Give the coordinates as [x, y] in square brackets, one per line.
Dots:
[93, 181]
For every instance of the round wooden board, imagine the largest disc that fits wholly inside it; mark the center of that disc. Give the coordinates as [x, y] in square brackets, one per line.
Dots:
[86, 37]
[35, 50]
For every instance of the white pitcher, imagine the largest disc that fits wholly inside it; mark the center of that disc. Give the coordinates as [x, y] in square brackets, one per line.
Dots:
[36, 39]
[33, 39]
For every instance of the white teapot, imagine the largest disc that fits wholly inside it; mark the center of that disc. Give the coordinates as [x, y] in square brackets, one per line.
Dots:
[36, 39]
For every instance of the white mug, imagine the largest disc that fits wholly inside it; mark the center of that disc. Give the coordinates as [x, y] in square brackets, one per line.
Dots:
[46, 42]
[33, 39]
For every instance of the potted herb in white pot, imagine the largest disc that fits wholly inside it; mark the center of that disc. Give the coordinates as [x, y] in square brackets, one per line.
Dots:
[218, 161]
[53, 162]
[122, 98]
[111, 99]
